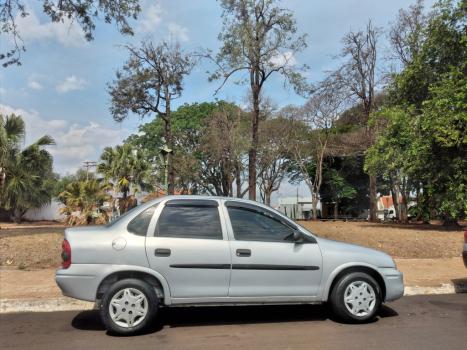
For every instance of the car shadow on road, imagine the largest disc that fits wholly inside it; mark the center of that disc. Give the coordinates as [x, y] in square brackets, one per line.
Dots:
[226, 315]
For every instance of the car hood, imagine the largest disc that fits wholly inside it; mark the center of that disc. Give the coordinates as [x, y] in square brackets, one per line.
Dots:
[347, 252]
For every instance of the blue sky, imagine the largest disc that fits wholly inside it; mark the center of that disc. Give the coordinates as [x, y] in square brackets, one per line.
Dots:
[60, 89]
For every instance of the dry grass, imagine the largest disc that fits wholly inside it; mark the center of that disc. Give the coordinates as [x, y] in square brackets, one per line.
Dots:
[400, 241]
[31, 245]
[39, 245]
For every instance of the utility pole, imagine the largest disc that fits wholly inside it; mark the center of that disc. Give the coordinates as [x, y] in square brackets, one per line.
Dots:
[88, 164]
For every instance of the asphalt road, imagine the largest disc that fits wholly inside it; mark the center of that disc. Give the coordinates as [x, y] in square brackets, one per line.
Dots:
[418, 322]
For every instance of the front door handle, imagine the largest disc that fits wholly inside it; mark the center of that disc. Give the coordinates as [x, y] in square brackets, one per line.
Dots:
[162, 252]
[243, 252]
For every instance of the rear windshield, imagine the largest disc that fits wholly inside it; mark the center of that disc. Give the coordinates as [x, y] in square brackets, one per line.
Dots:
[124, 215]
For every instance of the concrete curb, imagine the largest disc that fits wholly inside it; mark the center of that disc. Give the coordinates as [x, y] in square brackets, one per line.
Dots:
[68, 304]
[43, 305]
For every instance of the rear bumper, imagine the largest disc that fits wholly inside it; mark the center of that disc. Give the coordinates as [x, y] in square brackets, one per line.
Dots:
[394, 282]
[78, 281]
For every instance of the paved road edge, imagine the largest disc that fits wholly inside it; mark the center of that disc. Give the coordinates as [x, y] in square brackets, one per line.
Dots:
[68, 304]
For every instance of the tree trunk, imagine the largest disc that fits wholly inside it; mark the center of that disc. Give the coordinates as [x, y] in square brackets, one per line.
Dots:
[254, 145]
[238, 180]
[267, 197]
[403, 211]
[169, 141]
[373, 202]
[336, 210]
[314, 202]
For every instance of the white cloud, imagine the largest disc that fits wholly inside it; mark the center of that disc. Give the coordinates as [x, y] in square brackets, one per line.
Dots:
[2, 91]
[66, 32]
[178, 32]
[71, 83]
[34, 84]
[283, 59]
[75, 143]
[151, 19]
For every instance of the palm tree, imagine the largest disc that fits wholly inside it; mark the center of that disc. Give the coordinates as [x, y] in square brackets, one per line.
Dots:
[126, 169]
[83, 201]
[26, 177]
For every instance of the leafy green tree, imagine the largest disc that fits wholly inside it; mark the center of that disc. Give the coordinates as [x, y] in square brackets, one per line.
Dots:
[147, 84]
[338, 188]
[197, 166]
[78, 11]
[392, 156]
[258, 37]
[443, 144]
[26, 174]
[422, 142]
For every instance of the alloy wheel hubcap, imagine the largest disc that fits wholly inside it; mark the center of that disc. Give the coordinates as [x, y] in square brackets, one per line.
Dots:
[128, 307]
[359, 298]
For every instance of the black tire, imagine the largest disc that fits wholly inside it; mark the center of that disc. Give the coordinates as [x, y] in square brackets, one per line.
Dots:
[338, 303]
[147, 320]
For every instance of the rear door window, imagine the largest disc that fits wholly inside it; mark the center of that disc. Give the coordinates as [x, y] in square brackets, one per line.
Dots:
[197, 219]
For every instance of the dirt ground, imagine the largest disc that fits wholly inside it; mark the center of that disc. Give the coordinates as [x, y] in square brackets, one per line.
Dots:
[400, 241]
[31, 245]
[38, 245]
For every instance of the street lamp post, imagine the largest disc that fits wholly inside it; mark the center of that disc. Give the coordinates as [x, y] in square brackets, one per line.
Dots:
[164, 152]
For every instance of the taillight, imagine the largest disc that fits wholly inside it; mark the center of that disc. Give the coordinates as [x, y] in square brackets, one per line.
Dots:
[66, 254]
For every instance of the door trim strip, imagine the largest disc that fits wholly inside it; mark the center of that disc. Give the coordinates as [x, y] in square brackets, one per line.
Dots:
[201, 266]
[246, 267]
[272, 267]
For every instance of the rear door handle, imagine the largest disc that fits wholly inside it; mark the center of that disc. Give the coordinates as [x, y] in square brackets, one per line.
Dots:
[162, 252]
[243, 252]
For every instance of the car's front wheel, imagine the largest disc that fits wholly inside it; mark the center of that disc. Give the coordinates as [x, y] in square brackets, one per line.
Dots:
[129, 306]
[356, 297]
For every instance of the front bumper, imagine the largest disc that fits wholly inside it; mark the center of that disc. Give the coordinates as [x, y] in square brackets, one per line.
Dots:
[394, 281]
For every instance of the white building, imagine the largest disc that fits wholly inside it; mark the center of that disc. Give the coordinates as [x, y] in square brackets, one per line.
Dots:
[298, 208]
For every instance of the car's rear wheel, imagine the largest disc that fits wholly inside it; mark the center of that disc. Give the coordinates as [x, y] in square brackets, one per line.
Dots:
[356, 297]
[129, 306]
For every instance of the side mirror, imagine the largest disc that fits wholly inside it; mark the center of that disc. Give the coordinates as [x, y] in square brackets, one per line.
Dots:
[300, 237]
[297, 236]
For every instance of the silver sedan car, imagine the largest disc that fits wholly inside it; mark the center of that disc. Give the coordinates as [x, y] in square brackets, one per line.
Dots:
[194, 250]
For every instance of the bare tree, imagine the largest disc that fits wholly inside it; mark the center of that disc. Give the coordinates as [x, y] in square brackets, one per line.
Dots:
[273, 156]
[406, 33]
[147, 84]
[358, 78]
[222, 146]
[321, 113]
[258, 37]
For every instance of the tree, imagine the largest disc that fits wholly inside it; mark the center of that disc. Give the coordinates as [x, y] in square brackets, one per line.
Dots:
[407, 33]
[126, 169]
[358, 77]
[339, 189]
[424, 120]
[83, 199]
[209, 139]
[389, 155]
[84, 13]
[273, 156]
[27, 178]
[260, 38]
[321, 112]
[148, 83]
